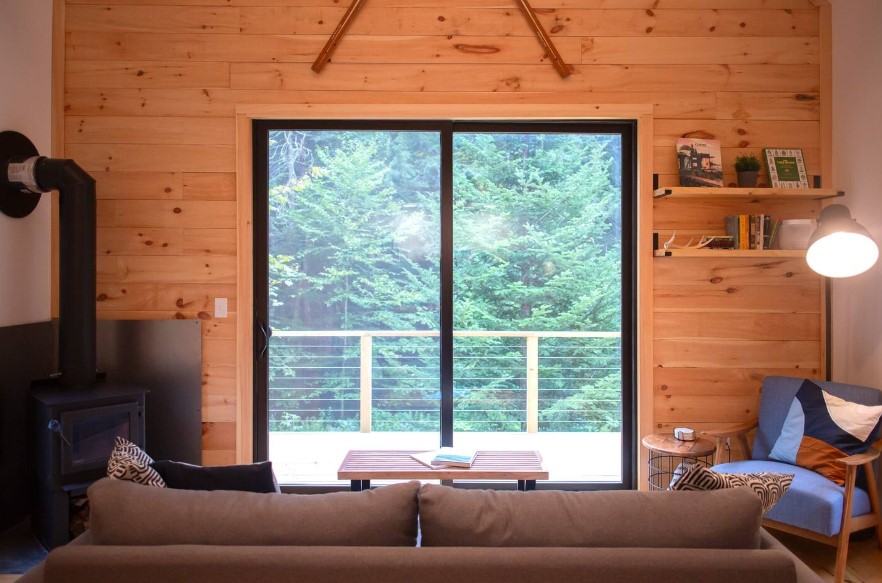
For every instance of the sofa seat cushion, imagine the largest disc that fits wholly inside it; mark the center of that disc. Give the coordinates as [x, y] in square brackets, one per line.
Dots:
[189, 563]
[125, 513]
[722, 519]
[808, 490]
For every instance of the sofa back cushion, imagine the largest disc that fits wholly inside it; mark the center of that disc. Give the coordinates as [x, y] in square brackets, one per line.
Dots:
[125, 513]
[722, 519]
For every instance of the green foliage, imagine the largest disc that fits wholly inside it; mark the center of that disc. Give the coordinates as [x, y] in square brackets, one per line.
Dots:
[746, 163]
[355, 245]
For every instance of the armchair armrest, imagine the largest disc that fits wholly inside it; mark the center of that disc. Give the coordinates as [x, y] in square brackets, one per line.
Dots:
[860, 459]
[739, 432]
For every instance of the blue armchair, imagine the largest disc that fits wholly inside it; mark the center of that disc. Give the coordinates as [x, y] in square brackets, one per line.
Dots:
[815, 507]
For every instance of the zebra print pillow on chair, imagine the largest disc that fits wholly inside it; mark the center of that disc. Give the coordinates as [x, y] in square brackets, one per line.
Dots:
[769, 486]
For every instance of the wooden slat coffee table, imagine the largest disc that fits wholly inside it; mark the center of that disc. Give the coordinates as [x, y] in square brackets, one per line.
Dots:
[362, 466]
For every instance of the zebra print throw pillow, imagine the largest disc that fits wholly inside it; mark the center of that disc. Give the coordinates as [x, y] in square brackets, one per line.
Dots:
[769, 486]
[129, 462]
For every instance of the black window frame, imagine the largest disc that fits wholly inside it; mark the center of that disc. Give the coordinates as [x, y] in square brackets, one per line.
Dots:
[626, 128]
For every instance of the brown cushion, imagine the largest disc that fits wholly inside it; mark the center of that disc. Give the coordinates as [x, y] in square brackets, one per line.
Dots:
[125, 513]
[722, 519]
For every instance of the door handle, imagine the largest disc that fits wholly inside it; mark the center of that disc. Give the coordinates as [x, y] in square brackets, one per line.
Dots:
[265, 333]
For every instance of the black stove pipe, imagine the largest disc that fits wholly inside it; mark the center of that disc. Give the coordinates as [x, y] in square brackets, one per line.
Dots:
[24, 175]
[76, 270]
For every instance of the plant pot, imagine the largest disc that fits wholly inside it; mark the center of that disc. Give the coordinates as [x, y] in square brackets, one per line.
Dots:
[747, 178]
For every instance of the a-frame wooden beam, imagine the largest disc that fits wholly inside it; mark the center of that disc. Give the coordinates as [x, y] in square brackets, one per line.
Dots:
[563, 69]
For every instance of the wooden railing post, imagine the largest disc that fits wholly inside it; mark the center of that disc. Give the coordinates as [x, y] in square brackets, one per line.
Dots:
[532, 384]
[366, 374]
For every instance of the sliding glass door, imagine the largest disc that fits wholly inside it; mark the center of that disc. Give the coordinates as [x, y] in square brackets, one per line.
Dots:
[433, 283]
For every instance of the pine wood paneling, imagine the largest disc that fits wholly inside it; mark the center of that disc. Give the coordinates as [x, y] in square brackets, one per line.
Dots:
[222, 102]
[140, 157]
[210, 241]
[768, 105]
[142, 297]
[526, 77]
[193, 214]
[743, 298]
[620, 4]
[148, 130]
[139, 185]
[139, 241]
[667, 50]
[734, 325]
[722, 273]
[145, 269]
[209, 186]
[152, 90]
[157, 74]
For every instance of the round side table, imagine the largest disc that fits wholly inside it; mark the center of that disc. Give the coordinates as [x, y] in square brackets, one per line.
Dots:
[666, 453]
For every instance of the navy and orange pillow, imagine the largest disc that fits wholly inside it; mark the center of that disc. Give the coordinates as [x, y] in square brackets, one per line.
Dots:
[821, 428]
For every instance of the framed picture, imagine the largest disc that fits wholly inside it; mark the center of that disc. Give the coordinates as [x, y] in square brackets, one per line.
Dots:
[700, 162]
[786, 168]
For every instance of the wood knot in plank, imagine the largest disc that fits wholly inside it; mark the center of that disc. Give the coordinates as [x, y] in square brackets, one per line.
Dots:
[477, 49]
[716, 280]
[101, 298]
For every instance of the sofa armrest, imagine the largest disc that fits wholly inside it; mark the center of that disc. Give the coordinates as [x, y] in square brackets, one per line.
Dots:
[233, 564]
[803, 573]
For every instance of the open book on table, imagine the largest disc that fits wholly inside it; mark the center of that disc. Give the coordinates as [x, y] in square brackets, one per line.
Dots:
[446, 457]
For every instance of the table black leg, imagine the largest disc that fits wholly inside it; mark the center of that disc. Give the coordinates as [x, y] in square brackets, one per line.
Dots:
[359, 485]
[525, 485]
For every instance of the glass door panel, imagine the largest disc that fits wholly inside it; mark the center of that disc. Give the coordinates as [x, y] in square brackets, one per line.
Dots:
[353, 256]
[538, 298]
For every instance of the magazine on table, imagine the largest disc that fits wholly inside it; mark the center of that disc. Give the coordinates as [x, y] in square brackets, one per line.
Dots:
[446, 457]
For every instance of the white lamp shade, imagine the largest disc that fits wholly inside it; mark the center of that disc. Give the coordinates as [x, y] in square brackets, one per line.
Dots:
[840, 247]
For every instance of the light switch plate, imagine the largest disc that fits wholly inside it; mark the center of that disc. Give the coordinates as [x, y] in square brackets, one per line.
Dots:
[220, 307]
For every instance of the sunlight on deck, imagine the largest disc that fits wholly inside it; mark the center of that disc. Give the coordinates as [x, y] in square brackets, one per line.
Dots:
[314, 457]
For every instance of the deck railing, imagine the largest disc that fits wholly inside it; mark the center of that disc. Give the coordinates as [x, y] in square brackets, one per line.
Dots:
[503, 381]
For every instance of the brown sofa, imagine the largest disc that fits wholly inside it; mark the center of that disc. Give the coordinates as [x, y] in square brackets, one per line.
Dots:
[140, 533]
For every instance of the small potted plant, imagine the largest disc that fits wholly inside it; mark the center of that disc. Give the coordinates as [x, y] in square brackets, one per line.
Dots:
[746, 167]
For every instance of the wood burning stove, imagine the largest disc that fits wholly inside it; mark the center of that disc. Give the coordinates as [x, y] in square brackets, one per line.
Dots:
[73, 431]
[75, 415]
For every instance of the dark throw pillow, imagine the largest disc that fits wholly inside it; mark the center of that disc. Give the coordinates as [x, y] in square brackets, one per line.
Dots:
[256, 477]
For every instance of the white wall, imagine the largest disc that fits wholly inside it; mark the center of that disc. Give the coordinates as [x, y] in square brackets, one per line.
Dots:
[25, 106]
[857, 162]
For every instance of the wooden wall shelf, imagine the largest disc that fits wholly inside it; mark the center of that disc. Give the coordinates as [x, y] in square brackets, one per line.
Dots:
[745, 194]
[729, 253]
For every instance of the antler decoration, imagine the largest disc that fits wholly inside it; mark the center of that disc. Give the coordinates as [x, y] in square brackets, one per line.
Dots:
[557, 61]
[703, 242]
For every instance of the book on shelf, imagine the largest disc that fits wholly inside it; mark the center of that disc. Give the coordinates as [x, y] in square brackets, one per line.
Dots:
[700, 162]
[446, 457]
[752, 231]
[786, 168]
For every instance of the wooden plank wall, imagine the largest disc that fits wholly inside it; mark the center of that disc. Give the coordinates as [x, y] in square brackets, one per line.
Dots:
[151, 89]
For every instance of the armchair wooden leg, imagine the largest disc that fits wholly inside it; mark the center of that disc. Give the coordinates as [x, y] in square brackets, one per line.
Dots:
[874, 500]
[845, 528]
